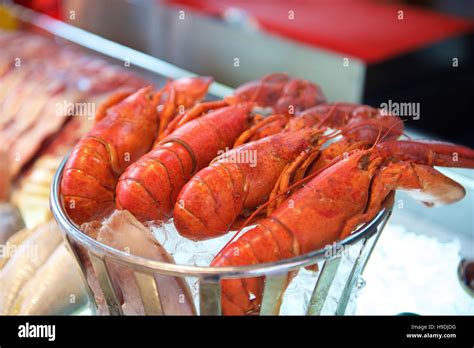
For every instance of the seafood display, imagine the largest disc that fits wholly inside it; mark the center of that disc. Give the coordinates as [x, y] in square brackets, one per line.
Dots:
[125, 130]
[48, 96]
[149, 188]
[299, 176]
[214, 189]
[49, 92]
[274, 169]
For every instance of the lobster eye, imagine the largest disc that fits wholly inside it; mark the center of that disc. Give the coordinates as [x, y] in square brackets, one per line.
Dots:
[364, 162]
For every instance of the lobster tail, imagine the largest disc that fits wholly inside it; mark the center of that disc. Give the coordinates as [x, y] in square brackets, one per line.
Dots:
[268, 242]
[123, 133]
[237, 182]
[149, 187]
[89, 183]
[210, 201]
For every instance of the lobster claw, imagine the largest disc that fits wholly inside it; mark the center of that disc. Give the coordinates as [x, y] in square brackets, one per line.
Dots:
[264, 92]
[298, 95]
[190, 90]
[108, 103]
[411, 169]
[179, 95]
[282, 93]
[436, 188]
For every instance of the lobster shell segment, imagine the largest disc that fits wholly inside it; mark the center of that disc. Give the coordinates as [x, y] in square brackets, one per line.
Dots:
[149, 188]
[123, 135]
[240, 179]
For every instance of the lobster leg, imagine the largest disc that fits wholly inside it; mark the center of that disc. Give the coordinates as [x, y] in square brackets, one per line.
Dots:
[168, 108]
[200, 109]
[289, 175]
[315, 160]
[248, 134]
[301, 170]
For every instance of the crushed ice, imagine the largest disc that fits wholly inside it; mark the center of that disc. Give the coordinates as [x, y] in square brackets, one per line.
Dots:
[405, 268]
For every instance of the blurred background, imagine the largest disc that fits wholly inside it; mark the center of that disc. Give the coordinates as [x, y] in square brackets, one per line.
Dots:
[368, 51]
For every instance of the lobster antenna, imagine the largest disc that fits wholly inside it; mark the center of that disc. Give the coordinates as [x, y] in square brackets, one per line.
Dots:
[388, 131]
[329, 114]
[379, 134]
[325, 118]
[404, 133]
[351, 127]
[395, 124]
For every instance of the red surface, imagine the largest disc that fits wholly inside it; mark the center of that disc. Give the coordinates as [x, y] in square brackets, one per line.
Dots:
[366, 29]
[50, 7]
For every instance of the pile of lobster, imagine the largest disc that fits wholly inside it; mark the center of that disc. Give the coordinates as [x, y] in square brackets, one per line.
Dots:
[275, 155]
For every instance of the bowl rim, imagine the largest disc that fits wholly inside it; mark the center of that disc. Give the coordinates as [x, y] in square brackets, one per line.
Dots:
[210, 273]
